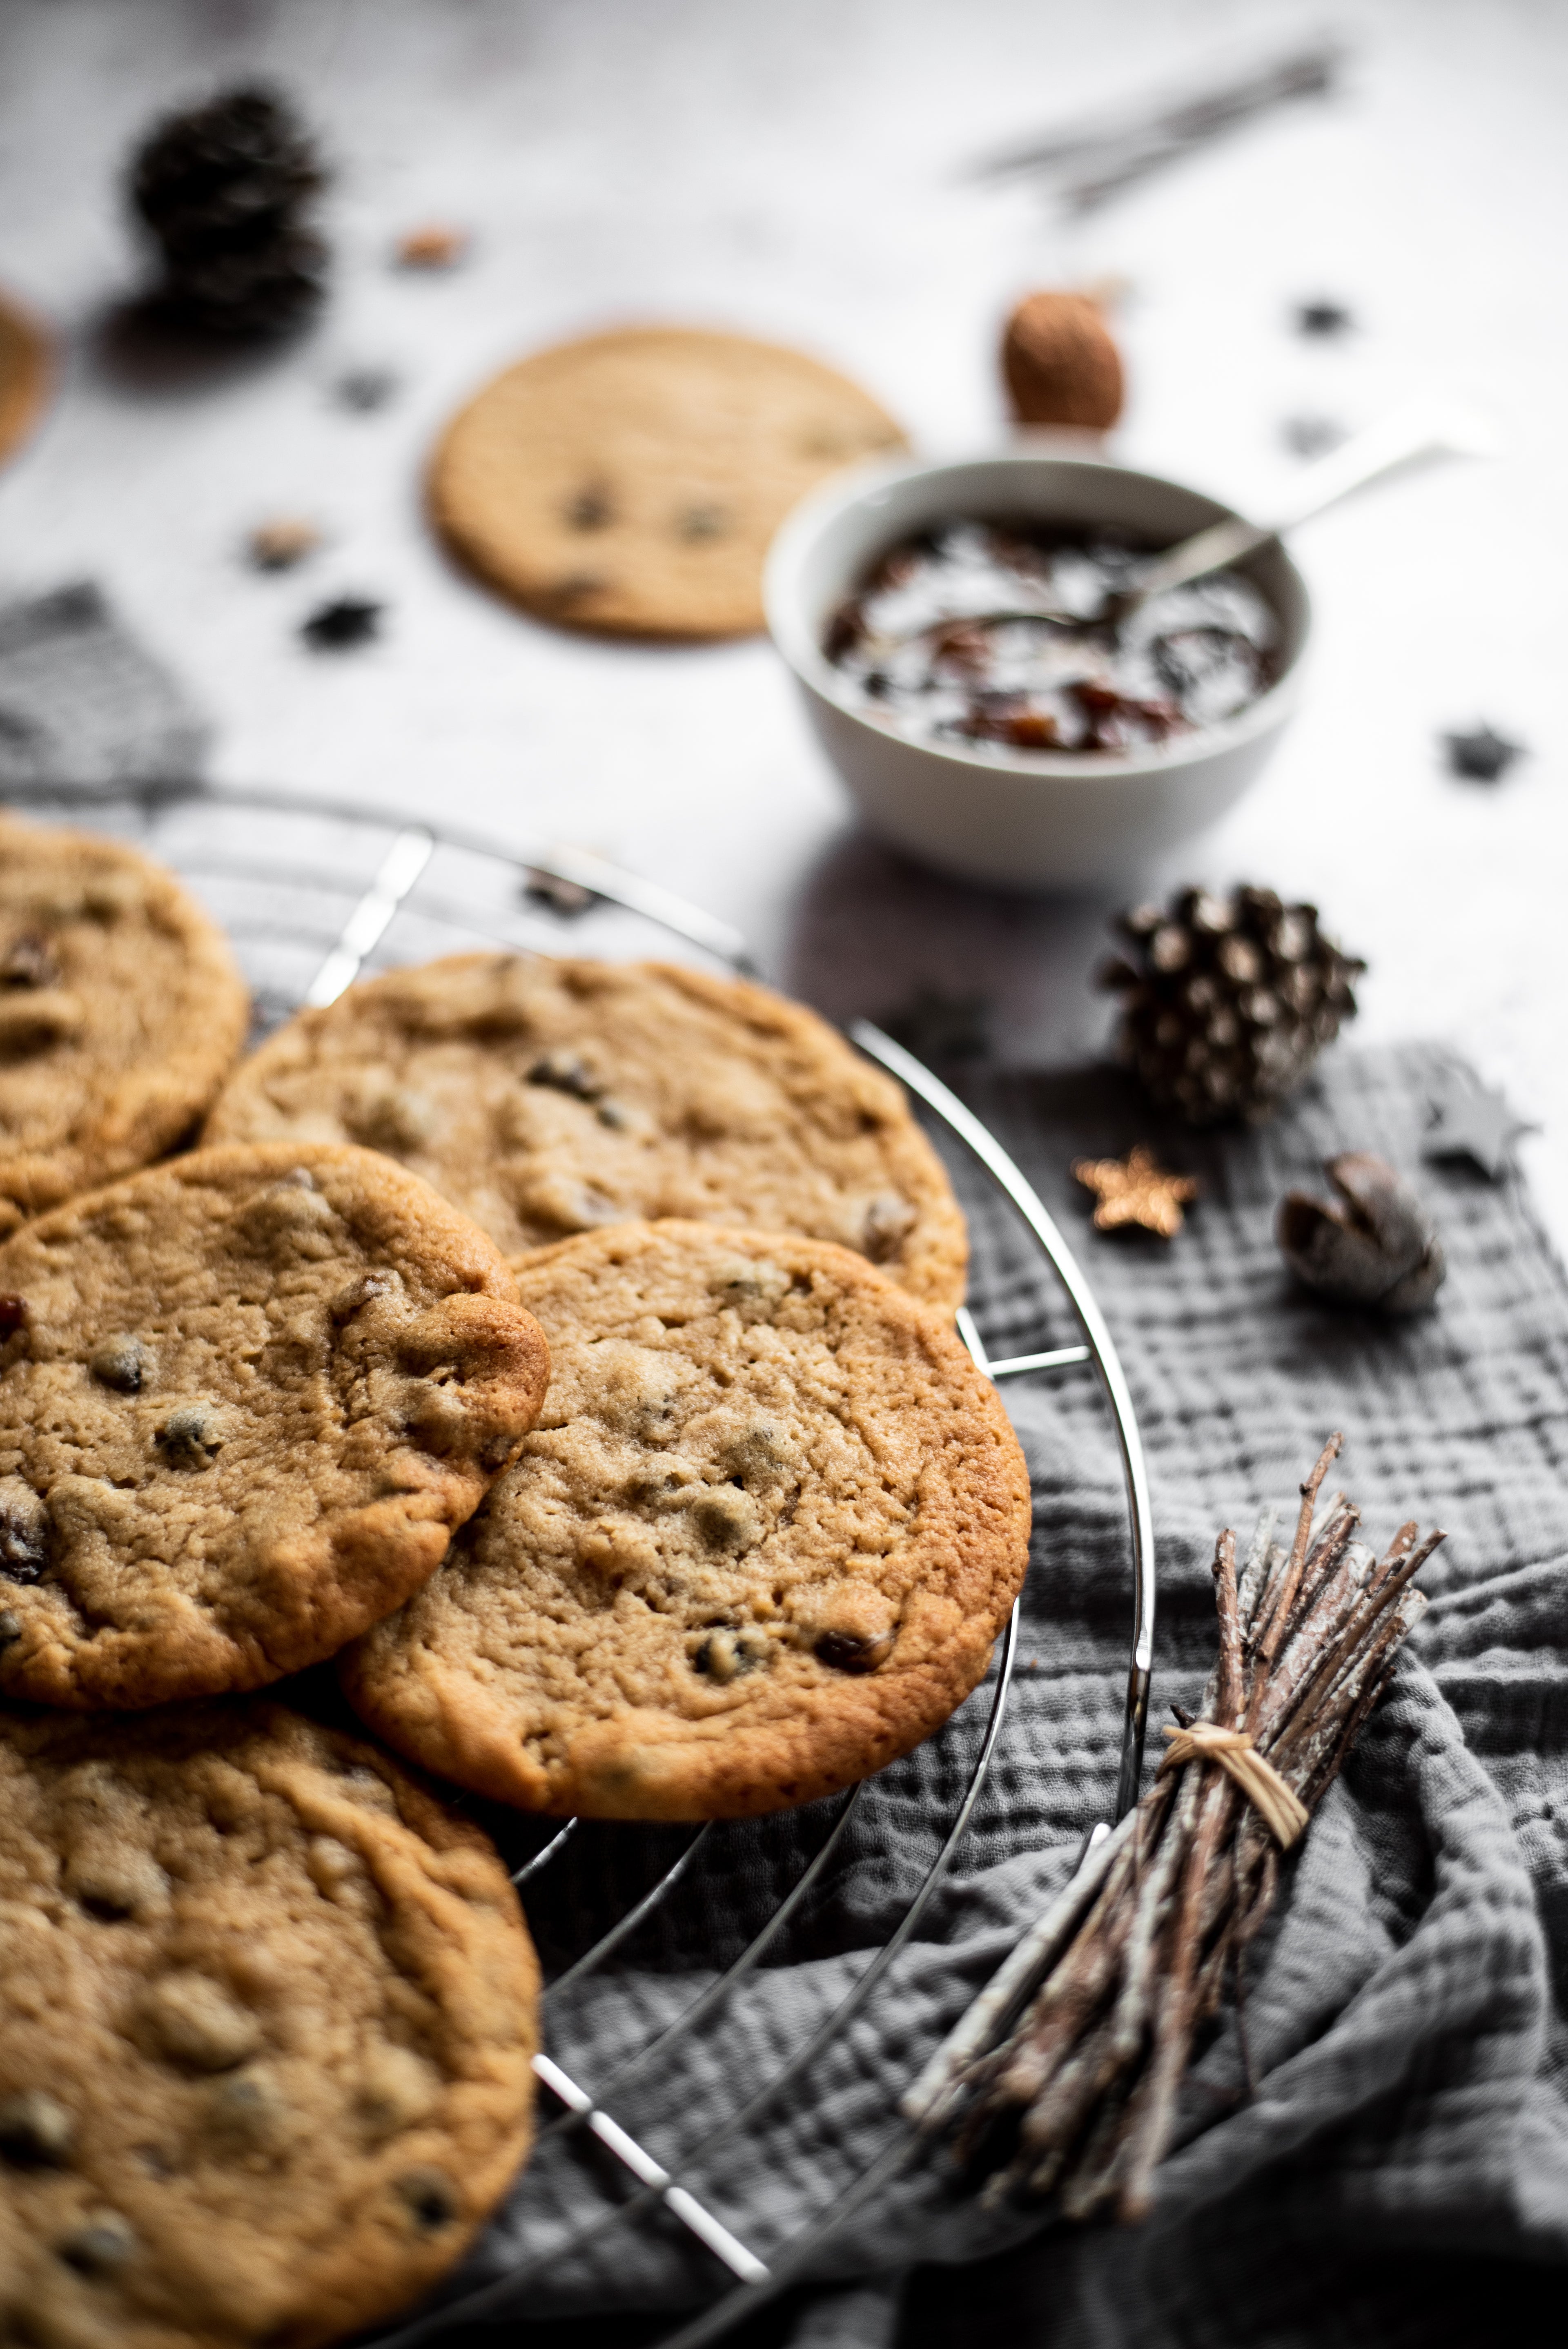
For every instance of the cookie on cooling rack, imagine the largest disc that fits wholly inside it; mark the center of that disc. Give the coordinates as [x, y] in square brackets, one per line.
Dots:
[24, 373]
[631, 483]
[545, 1097]
[244, 1400]
[269, 2015]
[120, 1013]
[761, 1541]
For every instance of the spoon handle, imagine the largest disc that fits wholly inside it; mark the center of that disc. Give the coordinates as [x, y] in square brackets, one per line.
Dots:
[1416, 435]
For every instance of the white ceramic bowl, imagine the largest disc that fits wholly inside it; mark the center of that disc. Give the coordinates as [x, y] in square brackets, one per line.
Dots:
[1018, 819]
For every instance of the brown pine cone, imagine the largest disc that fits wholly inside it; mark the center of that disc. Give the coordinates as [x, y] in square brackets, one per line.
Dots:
[1227, 1002]
[1060, 363]
[1374, 1246]
[226, 190]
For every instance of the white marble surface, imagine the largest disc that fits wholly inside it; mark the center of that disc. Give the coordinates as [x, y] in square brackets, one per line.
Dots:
[793, 170]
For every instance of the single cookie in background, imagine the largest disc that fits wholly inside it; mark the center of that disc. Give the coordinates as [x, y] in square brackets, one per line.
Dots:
[546, 1097]
[1060, 363]
[244, 1401]
[122, 1011]
[631, 483]
[24, 373]
[270, 2016]
[760, 1543]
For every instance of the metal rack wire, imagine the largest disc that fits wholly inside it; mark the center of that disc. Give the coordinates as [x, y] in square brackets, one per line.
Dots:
[310, 890]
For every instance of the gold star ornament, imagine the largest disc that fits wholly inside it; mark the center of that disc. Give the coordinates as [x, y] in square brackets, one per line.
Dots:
[1134, 1190]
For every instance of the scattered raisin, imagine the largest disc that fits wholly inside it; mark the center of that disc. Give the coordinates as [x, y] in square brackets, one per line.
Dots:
[347, 620]
[13, 1315]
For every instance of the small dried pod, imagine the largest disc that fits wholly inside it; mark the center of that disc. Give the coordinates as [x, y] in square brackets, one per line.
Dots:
[1375, 1245]
[1060, 363]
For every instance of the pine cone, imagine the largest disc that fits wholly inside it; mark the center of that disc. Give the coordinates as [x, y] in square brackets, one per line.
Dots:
[1229, 1001]
[225, 189]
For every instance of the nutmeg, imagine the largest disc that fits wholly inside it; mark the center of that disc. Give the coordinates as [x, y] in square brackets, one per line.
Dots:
[1060, 363]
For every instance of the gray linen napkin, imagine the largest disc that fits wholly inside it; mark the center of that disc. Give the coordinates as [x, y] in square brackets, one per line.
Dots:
[81, 702]
[1414, 2104]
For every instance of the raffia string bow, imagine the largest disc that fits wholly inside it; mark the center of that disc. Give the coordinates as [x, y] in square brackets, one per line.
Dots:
[1074, 2095]
[1283, 1814]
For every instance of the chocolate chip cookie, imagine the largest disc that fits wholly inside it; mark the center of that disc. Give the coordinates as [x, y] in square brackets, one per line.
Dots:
[270, 2013]
[244, 1398]
[632, 482]
[546, 1097]
[761, 1542]
[122, 1011]
[24, 373]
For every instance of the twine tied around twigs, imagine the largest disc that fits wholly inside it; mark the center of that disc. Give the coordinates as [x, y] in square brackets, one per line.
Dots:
[1282, 1812]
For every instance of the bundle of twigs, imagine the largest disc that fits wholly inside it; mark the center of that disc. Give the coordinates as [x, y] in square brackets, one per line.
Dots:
[1077, 2101]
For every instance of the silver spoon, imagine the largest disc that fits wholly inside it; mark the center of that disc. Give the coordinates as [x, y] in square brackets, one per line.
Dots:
[1420, 434]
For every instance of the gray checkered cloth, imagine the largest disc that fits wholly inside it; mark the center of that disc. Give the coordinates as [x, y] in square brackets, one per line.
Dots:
[1410, 2145]
[82, 703]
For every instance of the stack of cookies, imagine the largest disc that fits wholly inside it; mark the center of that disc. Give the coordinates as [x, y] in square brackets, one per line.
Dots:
[564, 1348]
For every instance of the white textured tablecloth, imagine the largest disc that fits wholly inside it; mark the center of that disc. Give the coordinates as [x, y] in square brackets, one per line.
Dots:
[794, 171]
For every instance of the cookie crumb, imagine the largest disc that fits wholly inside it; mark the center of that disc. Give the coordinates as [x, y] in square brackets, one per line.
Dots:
[434, 245]
[279, 544]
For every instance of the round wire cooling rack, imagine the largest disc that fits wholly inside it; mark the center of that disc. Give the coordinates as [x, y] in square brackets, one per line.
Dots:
[312, 893]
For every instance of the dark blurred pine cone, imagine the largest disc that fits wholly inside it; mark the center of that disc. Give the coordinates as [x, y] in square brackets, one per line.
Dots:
[224, 190]
[1227, 1002]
